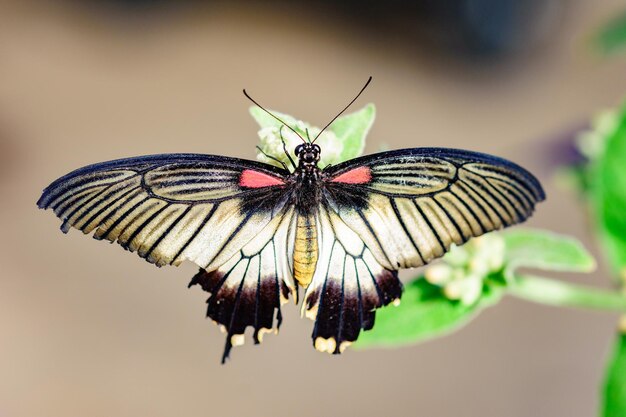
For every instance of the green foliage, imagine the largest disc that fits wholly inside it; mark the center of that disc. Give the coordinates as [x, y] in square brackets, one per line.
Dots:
[545, 250]
[425, 312]
[614, 390]
[607, 192]
[265, 120]
[436, 303]
[351, 131]
[343, 140]
[602, 180]
[612, 37]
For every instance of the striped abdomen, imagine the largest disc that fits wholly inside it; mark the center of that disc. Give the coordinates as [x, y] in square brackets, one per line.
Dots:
[305, 252]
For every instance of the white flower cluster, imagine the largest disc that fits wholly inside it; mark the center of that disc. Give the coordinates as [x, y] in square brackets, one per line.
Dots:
[591, 143]
[463, 269]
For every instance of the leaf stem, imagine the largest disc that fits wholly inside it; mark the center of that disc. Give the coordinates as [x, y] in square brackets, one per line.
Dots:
[559, 293]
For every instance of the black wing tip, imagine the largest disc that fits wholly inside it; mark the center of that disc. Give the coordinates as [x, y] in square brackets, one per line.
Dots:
[227, 348]
[51, 191]
[532, 183]
[44, 200]
[42, 203]
[541, 193]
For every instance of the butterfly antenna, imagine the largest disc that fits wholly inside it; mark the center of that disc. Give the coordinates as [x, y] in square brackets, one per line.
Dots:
[344, 109]
[271, 114]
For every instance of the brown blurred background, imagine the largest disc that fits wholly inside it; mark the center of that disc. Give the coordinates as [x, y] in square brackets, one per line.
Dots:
[87, 329]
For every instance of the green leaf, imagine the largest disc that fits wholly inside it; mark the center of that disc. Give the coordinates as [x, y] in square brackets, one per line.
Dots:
[608, 195]
[614, 390]
[544, 250]
[265, 120]
[612, 37]
[424, 313]
[352, 129]
[548, 251]
[561, 294]
[343, 140]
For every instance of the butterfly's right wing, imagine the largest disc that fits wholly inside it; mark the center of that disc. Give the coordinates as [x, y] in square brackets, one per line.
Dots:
[229, 216]
[170, 208]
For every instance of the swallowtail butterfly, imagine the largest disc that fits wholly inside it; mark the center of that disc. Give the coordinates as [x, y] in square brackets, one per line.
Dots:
[258, 232]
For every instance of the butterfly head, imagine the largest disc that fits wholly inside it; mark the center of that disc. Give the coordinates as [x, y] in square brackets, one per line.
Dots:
[308, 154]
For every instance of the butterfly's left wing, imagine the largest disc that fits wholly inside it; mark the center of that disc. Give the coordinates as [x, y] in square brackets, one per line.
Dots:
[402, 209]
[410, 205]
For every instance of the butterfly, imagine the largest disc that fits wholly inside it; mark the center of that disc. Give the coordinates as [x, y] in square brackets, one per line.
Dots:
[258, 232]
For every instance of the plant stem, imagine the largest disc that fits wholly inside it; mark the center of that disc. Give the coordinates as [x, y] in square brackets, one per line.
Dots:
[559, 293]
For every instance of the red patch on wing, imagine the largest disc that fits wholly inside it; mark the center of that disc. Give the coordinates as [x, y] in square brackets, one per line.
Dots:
[360, 175]
[255, 179]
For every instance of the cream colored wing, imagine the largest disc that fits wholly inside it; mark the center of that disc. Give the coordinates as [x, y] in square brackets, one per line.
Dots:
[171, 208]
[348, 285]
[249, 289]
[409, 206]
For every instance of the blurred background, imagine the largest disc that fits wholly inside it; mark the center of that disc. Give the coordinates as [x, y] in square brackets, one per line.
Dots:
[87, 329]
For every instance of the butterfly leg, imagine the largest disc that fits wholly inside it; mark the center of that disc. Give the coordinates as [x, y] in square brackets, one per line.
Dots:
[273, 158]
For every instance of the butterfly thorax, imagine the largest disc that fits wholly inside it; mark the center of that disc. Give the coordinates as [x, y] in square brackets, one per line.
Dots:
[308, 156]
